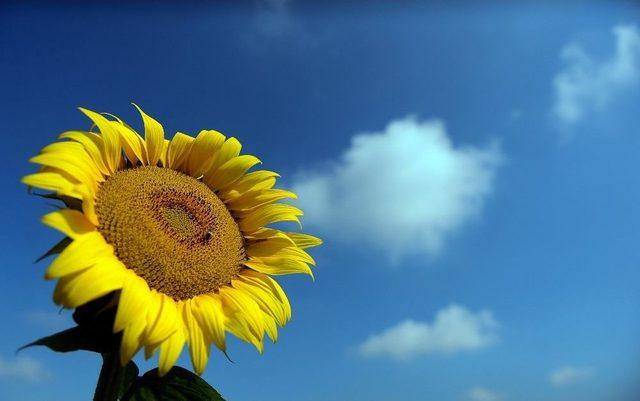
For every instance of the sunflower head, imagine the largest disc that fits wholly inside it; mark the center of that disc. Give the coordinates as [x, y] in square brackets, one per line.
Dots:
[178, 230]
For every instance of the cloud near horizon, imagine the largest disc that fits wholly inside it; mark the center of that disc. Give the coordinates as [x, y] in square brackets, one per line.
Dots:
[483, 394]
[403, 191]
[453, 330]
[569, 375]
[23, 368]
[586, 85]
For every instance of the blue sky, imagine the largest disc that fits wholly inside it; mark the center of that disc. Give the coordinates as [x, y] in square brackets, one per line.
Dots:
[472, 169]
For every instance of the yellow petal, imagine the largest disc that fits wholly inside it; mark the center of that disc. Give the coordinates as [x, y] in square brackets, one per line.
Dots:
[268, 284]
[270, 327]
[92, 144]
[268, 246]
[73, 165]
[153, 137]
[179, 150]
[163, 155]
[133, 301]
[71, 222]
[131, 340]
[52, 181]
[132, 143]
[239, 328]
[81, 253]
[92, 283]
[208, 311]
[253, 181]
[110, 137]
[198, 348]
[76, 154]
[170, 350]
[304, 241]
[228, 150]
[154, 305]
[268, 214]
[244, 318]
[150, 349]
[265, 299]
[89, 208]
[162, 318]
[271, 234]
[59, 292]
[230, 171]
[278, 266]
[274, 249]
[204, 148]
[252, 199]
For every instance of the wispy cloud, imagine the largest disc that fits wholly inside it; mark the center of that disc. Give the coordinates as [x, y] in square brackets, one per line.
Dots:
[53, 320]
[585, 84]
[273, 19]
[569, 375]
[483, 394]
[454, 329]
[23, 368]
[403, 190]
[515, 115]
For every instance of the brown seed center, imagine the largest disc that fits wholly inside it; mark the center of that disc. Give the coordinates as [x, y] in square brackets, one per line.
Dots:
[171, 229]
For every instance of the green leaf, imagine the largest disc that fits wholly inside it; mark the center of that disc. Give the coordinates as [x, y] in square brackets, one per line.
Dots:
[94, 331]
[177, 385]
[98, 313]
[73, 339]
[115, 381]
[56, 249]
[71, 203]
[76, 339]
[128, 379]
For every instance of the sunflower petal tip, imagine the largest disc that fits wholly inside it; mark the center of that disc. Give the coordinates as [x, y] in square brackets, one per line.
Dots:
[138, 108]
[85, 111]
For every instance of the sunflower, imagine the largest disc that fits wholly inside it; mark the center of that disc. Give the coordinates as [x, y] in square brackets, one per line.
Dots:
[177, 229]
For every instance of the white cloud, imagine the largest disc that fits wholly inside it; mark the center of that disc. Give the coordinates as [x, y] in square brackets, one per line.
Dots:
[454, 329]
[585, 84]
[403, 190]
[273, 18]
[515, 115]
[570, 374]
[483, 394]
[23, 368]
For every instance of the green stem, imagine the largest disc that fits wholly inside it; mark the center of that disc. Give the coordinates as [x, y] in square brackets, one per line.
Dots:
[111, 377]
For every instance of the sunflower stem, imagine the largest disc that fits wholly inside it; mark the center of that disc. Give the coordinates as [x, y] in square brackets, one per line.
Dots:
[111, 378]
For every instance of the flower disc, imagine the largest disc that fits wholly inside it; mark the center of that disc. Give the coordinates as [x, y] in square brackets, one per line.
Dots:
[171, 230]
